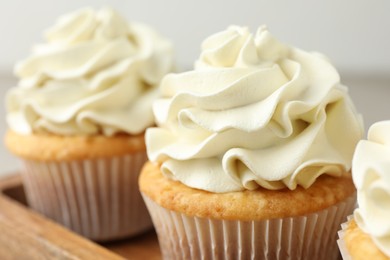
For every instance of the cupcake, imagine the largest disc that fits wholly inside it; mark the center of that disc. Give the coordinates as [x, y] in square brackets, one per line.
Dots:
[252, 153]
[367, 233]
[77, 120]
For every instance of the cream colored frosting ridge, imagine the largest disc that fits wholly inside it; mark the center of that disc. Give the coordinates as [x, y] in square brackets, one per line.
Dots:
[371, 175]
[96, 74]
[254, 112]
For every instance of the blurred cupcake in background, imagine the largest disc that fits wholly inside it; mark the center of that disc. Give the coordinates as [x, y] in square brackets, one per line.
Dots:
[252, 154]
[77, 120]
[366, 235]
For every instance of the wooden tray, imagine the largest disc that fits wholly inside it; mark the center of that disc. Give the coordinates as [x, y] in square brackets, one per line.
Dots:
[25, 234]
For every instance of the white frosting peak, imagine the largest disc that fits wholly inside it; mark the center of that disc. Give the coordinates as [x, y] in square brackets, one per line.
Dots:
[96, 74]
[254, 112]
[371, 175]
[237, 47]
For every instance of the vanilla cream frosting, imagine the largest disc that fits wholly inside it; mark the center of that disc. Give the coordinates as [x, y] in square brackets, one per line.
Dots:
[254, 112]
[371, 175]
[96, 74]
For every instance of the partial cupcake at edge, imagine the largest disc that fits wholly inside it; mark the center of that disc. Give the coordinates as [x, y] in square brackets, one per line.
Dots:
[366, 235]
[252, 153]
[77, 120]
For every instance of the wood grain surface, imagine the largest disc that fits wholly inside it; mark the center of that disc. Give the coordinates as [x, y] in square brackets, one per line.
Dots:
[25, 234]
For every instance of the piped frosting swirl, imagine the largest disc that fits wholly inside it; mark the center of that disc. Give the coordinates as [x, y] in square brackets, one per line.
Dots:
[253, 112]
[96, 74]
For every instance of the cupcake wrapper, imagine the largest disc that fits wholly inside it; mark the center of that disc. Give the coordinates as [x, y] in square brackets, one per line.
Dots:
[312, 236]
[98, 198]
[341, 243]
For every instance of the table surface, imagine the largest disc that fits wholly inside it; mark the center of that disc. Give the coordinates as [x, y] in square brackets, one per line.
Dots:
[44, 239]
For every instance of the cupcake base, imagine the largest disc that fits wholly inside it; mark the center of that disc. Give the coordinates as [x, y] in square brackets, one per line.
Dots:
[258, 224]
[354, 244]
[312, 236]
[97, 198]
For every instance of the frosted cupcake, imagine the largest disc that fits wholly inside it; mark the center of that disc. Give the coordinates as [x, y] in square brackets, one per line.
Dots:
[367, 233]
[77, 120]
[252, 153]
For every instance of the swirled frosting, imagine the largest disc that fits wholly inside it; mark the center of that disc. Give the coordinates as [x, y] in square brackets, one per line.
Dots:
[96, 74]
[254, 112]
[371, 175]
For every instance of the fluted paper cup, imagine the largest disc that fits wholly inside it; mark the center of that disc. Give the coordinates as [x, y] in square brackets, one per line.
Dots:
[97, 198]
[312, 236]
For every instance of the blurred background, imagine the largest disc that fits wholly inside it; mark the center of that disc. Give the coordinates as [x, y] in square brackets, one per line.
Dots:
[354, 34]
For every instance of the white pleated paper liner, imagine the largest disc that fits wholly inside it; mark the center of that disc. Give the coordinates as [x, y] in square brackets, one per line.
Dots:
[341, 243]
[305, 237]
[98, 199]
